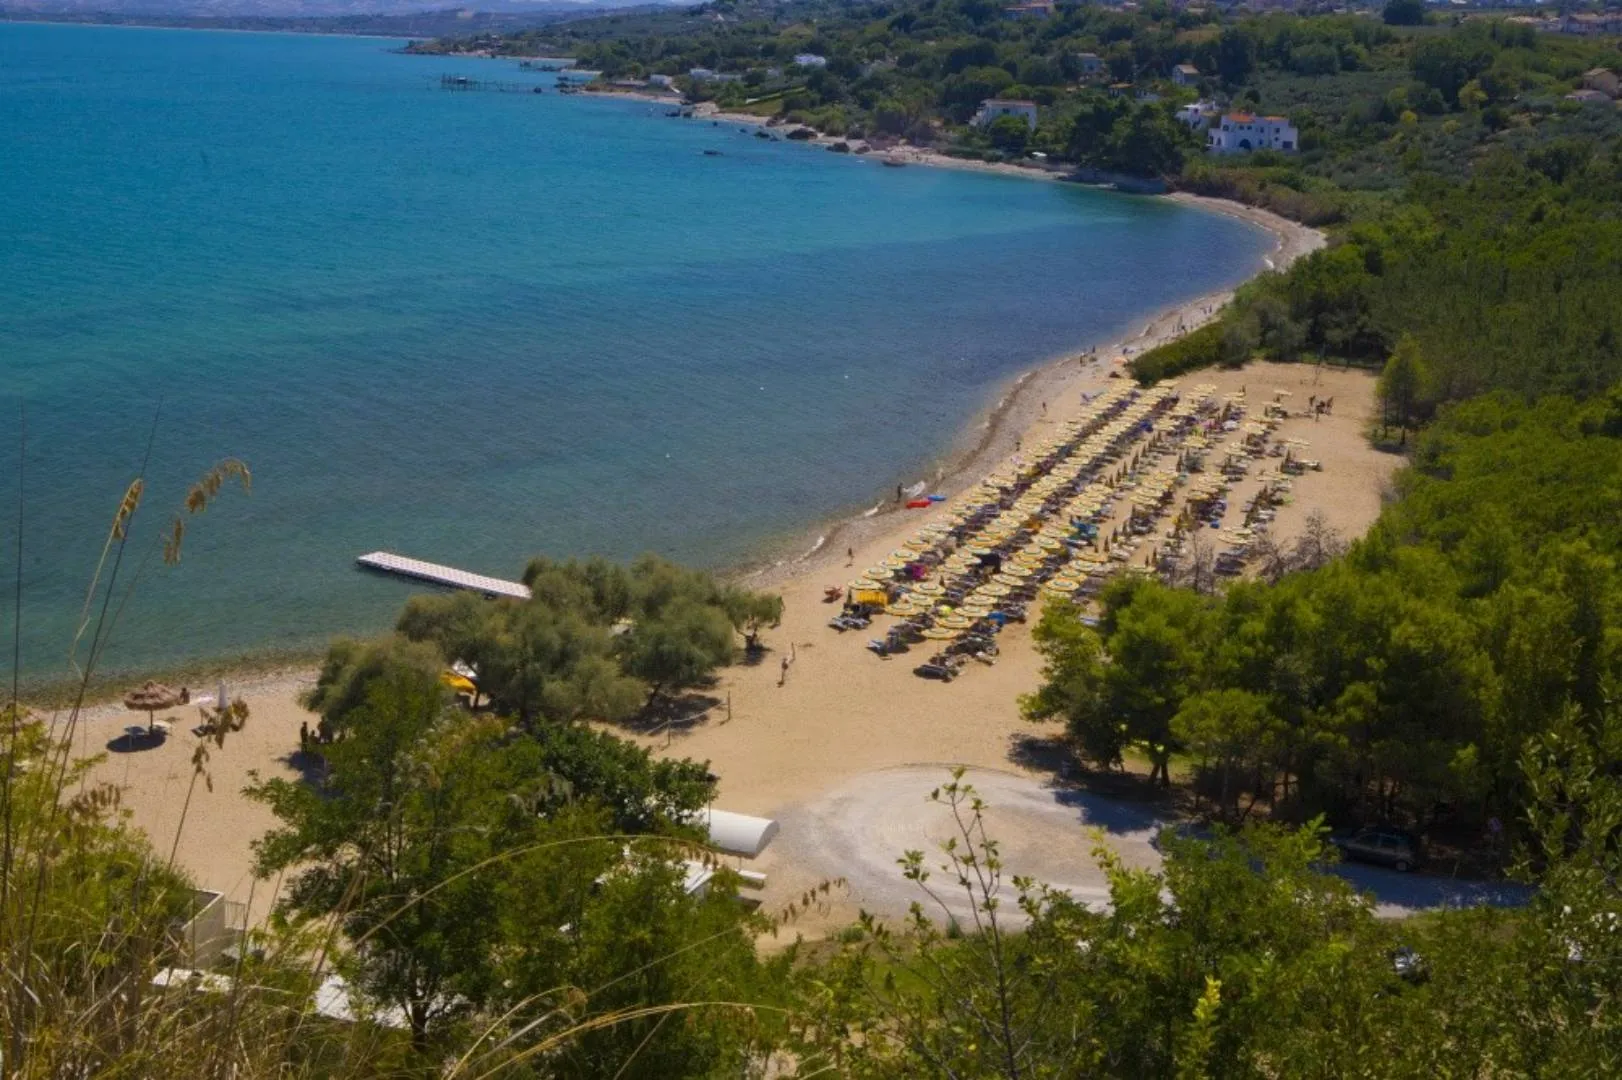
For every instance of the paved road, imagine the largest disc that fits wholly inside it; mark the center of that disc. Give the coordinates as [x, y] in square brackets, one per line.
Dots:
[860, 829]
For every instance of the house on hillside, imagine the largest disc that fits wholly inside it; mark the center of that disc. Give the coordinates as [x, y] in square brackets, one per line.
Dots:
[1091, 64]
[1604, 80]
[810, 60]
[993, 109]
[1590, 97]
[1589, 24]
[1029, 9]
[1198, 116]
[1185, 75]
[1240, 133]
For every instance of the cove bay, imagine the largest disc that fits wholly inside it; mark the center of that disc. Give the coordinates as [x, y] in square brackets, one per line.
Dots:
[473, 327]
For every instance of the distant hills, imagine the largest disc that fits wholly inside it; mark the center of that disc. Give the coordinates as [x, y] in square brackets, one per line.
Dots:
[405, 17]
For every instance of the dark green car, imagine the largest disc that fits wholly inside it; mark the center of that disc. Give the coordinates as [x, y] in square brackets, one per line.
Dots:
[1395, 848]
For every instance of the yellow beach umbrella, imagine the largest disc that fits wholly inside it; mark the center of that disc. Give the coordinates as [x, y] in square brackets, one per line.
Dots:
[457, 682]
[1063, 585]
[901, 609]
[956, 622]
[1017, 570]
[928, 588]
[941, 633]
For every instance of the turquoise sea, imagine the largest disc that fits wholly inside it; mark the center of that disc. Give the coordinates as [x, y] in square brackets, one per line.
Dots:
[472, 327]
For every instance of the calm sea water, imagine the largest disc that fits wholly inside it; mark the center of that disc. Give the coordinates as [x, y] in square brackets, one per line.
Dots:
[473, 327]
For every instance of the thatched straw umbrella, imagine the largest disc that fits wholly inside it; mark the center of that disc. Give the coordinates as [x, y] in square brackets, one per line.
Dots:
[152, 697]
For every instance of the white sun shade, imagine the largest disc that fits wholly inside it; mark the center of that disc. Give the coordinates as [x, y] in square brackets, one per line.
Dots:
[738, 834]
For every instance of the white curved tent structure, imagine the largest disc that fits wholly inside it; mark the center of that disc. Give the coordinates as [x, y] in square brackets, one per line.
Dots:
[738, 834]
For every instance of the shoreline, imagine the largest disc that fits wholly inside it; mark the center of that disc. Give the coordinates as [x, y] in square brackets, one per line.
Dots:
[991, 434]
[987, 437]
[995, 431]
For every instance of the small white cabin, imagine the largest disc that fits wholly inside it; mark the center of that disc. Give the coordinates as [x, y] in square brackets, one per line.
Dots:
[993, 109]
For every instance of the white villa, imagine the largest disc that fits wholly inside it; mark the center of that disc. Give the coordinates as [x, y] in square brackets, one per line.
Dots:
[810, 60]
[1243, 132]
[993, 108]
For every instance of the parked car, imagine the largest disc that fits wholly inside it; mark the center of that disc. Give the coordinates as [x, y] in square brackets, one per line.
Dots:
[1409, 965]
[1377, 844]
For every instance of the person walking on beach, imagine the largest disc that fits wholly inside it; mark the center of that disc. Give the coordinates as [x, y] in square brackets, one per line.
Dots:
[783, 678]
[898, 493]
[850, 556]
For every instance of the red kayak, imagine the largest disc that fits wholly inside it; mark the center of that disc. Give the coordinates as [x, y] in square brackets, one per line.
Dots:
[919, 504]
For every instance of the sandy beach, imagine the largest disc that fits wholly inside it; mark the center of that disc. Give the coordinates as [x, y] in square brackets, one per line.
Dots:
[842, 717]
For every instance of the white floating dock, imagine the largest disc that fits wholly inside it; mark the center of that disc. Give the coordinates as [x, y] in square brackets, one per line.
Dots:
[390, 563]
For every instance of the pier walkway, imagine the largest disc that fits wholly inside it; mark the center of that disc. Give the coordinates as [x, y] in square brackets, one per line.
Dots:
[390, 563]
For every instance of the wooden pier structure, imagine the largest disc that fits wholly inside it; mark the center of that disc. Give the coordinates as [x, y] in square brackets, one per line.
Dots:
[389, 563]
[463, 82]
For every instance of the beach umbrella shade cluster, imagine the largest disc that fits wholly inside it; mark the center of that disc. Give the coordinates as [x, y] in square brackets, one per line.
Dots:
[1039, 512]
[151, 699]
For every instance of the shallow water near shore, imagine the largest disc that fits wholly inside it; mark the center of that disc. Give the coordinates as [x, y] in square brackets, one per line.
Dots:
[474, 327]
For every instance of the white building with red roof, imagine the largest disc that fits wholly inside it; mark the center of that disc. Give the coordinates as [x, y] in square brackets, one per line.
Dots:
[1240, 133]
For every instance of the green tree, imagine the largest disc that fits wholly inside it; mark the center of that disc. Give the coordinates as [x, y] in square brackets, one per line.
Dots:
[352, 666]
[528, 887]
[1074, 688]
[1400, 386]
[389, 847]
[679, 647]
[1234, 732]
[1156, 642]
[1009, 134]
[1147, 142]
